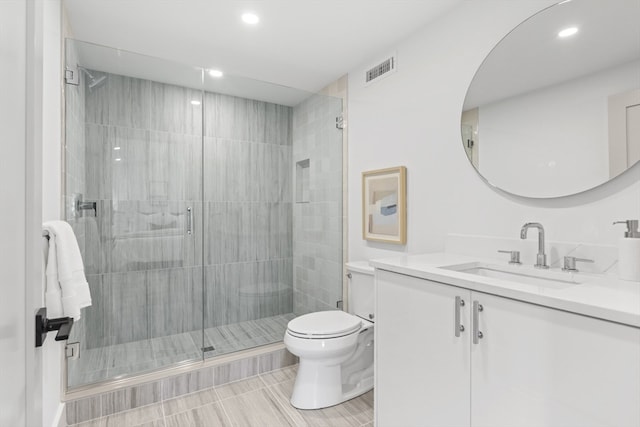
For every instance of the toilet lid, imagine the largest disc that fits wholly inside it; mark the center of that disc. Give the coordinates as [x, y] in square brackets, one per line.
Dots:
[325, 324]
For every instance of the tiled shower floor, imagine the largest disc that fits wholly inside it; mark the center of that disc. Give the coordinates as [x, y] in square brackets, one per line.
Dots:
[106, 363]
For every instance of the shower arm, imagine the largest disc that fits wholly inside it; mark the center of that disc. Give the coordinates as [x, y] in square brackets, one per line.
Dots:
[72, 77]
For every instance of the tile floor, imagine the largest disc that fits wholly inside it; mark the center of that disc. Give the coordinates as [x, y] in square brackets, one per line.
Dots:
[104, 363]
[259, 401]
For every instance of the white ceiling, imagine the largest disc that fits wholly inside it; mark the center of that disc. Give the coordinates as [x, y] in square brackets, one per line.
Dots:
[305, 44]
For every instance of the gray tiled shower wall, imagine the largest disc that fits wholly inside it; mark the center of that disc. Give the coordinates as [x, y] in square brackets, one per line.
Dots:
[142, 157]
[317, 224]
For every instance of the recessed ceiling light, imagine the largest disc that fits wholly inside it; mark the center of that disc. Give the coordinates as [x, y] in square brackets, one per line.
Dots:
[116, 148]
[250, 18]
[117, 159]
[215, 73]
[568, 32]
[195, 102]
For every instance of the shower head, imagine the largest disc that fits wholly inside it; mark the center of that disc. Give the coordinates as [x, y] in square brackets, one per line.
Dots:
[93, 82]
[97, 82]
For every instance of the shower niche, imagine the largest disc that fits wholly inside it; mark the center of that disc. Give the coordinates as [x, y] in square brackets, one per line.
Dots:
[302, 181]
[195, 248]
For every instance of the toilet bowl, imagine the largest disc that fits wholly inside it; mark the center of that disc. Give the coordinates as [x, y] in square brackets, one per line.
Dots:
[335, 348]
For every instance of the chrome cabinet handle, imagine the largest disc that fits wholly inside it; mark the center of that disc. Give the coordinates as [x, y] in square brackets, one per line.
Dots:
[477, 334]
[458, 327]
[189, 220]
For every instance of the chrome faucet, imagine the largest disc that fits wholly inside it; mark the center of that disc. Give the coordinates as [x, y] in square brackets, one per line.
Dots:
[541, 258]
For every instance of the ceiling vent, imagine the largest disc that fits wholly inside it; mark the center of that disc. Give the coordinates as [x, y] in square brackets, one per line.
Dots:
[383, 69]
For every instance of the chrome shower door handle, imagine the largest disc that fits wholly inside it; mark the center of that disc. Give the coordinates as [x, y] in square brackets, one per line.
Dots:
[458, 327]
[189, 220]
[477, 334]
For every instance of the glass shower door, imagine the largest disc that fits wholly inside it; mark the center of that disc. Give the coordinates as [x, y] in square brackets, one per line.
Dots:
[270, 255]
[134, 198]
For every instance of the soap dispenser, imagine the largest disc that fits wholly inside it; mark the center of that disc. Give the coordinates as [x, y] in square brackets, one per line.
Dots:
[629, 252]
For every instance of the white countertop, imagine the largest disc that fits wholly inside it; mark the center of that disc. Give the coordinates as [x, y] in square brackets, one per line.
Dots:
[601, 296]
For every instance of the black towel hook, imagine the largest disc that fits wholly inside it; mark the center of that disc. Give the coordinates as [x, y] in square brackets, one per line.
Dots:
[43, 326]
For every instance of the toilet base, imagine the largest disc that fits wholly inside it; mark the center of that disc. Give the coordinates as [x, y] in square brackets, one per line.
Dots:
[332, 370]
[319, 386]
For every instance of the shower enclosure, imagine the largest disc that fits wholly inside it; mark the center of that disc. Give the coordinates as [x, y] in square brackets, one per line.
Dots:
[208, 210]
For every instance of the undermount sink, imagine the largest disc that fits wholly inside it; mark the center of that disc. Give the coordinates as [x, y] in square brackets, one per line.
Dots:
[519, 274]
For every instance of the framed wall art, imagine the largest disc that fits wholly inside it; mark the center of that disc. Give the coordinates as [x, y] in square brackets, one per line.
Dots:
[384, 205]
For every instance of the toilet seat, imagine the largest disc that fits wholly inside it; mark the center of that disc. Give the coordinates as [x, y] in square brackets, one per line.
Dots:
[324, 324]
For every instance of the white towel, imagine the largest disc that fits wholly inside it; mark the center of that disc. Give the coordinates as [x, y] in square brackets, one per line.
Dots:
[67, 287]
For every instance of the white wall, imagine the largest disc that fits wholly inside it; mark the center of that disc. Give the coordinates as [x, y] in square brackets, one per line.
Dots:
[22, 112]
[566, 155]
[412, 118]
[13, 389]
[52, 407]
[52, 126]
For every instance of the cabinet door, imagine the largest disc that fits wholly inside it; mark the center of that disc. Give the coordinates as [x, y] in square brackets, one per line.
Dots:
[422, 369]
[537, 366]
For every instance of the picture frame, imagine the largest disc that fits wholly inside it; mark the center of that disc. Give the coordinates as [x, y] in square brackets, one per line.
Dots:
[384, 205]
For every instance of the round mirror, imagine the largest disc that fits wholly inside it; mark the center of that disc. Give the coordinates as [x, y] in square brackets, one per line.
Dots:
[554, 109]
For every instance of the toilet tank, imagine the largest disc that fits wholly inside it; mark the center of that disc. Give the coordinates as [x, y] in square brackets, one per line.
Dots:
[360, 289]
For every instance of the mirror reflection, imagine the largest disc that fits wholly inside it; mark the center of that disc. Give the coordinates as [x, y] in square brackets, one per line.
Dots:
[554, 109]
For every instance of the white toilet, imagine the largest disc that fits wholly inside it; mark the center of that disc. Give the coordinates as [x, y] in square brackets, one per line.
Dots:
[335, 348]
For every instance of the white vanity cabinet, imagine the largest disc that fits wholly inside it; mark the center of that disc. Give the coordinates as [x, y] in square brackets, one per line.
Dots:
[533, 366]
[423, 370]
